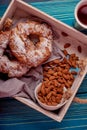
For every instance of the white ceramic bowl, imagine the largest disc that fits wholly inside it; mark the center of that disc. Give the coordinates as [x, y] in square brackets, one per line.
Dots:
[47, 107]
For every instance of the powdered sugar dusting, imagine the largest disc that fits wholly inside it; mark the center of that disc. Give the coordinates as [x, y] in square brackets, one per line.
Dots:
[35, 54]
[18, 43]
[38, 54]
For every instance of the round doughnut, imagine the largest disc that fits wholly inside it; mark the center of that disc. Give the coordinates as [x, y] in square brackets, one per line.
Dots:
[12, 68]
[24, 49]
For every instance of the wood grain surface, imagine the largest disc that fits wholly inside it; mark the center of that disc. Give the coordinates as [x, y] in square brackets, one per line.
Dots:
[15, 115]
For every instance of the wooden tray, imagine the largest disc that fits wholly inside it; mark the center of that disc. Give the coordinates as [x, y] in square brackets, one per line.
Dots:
[64, 34]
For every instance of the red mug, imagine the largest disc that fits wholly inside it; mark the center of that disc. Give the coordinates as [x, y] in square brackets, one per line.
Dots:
[81, 15]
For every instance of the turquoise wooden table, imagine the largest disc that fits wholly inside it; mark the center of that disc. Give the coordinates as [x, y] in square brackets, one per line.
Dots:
[15, 115]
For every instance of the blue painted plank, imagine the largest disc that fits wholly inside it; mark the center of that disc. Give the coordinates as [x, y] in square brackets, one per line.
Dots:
[11, 117]
[63, 11]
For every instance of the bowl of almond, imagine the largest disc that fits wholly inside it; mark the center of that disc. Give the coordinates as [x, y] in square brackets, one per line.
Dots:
[58, 77]
[50, 98]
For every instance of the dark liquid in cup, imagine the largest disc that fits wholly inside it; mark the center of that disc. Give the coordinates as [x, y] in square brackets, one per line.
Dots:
[82, 14]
